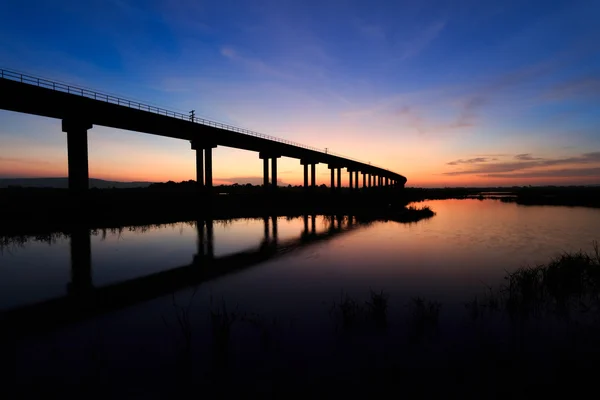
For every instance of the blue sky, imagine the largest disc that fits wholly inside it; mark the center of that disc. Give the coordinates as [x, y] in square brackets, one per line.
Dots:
[444, 92]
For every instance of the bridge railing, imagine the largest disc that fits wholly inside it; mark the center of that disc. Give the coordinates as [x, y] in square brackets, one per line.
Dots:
[99, 96]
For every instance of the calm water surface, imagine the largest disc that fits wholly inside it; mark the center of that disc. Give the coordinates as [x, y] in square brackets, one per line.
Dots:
[468, 243]
[449, 258]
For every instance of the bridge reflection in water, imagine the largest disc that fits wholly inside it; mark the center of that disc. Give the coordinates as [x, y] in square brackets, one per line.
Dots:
[83, 300]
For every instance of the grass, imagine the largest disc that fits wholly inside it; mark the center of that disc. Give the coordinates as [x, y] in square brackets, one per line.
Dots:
[568, 286]
[425, 316]
[413, 214]
[349, 312]
[222, 322]
[377, 308]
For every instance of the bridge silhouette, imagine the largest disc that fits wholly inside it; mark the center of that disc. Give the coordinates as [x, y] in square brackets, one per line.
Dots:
[80, 108]
[83, 300]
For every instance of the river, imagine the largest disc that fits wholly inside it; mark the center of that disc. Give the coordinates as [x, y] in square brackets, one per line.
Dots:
[304, 267]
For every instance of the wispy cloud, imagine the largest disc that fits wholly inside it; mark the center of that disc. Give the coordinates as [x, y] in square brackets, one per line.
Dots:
[560, 173]
[527, 157]
[580, 87]
[371, 31]
[529, 162]
[253, 64]
[471, 161]
[418, 43]
[23, 161]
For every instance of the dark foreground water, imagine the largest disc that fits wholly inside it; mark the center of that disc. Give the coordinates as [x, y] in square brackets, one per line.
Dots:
[275, 317]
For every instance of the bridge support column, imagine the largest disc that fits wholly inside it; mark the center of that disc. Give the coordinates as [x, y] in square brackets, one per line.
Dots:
[313, 172]
[306, 176]
[204, 170]
[266, 157]
[350, 179]
[332, 177]
[77, 153]
[387, 181]
[333, 169]
[369, 181]
[274, 172]
[200, 168]
[208, 170]
[265, 172]
[356, 179]
[364, 180]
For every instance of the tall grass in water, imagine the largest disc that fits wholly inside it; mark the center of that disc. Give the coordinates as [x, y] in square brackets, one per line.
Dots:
[377, 308]
[413, 214]
[349, 312]
[424, 318]
[568, 286]
[221, 323]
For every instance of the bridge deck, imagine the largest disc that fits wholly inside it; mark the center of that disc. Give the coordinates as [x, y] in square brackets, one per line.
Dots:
[36, 96]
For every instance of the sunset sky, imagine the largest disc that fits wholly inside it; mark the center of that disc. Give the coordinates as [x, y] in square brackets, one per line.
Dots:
[447, 93]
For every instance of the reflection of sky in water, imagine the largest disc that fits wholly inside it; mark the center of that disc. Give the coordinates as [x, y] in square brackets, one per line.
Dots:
[468, 243]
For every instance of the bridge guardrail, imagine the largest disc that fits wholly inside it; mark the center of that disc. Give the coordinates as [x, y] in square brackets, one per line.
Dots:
[99, 96]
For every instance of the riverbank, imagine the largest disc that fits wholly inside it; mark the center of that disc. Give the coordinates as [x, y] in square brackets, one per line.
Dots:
[580, 196]
[31, 211]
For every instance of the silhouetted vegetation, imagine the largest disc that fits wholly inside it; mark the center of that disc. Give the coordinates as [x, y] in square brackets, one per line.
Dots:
[39, 210]
[586, 196]
[46, 210]
[567, 287]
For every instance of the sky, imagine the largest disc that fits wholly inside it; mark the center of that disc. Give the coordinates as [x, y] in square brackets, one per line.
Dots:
[446, 93]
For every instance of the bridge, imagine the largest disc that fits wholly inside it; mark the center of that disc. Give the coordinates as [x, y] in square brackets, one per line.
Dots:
[83, 300]
[80, 108]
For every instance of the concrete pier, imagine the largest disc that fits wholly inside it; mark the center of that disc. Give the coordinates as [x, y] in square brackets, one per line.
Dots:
[77, 153]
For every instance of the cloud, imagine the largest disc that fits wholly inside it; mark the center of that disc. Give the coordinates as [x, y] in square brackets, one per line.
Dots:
[254, 64]
[527, 157]
[512, 166]
[469, 112]
[23, 161]
[372, 32]
[580, 87]
[422, 40]
[471, 161]
[561, 173]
